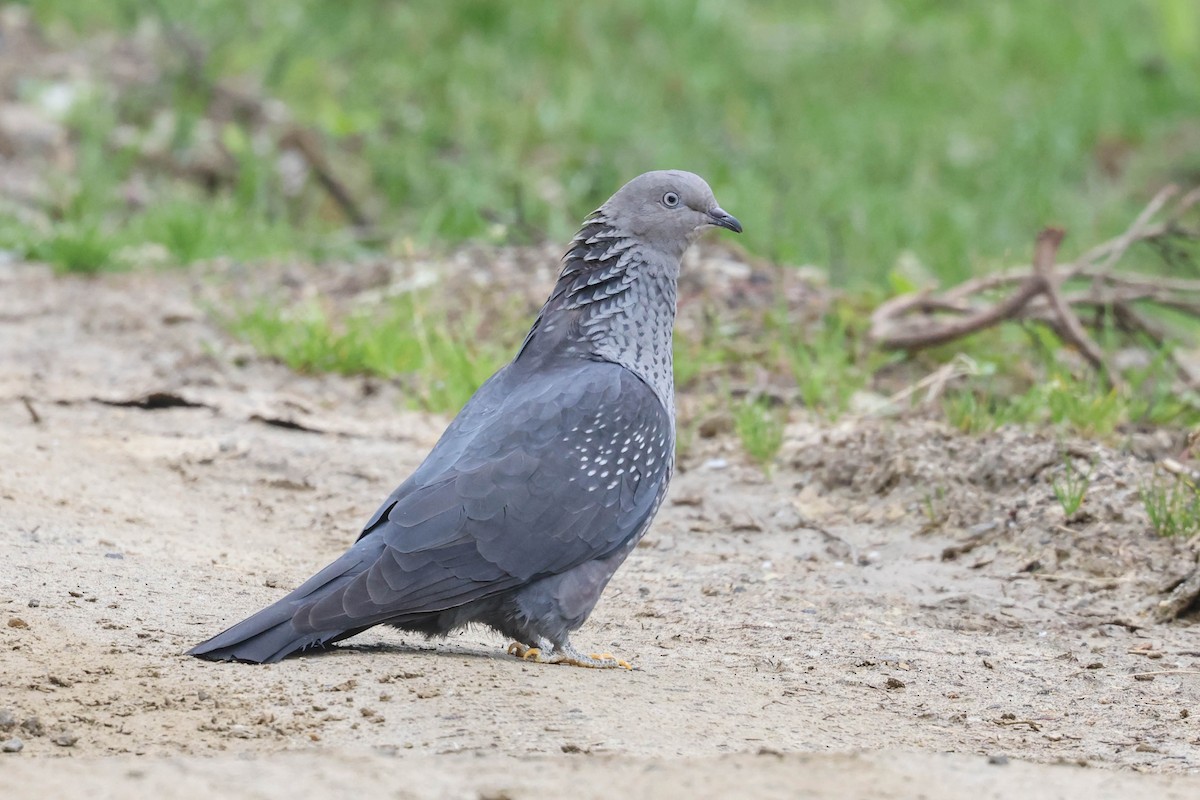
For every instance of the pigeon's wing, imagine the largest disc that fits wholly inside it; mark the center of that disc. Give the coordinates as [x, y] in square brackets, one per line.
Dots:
[538, 474]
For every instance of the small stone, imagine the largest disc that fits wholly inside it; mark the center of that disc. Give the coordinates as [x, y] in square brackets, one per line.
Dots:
[998, 761]
[34, 602]
[17, 622]
[13, 745]
[66, 739]
[117, 556]
[8, 720]
[895, 683]
[34, 727]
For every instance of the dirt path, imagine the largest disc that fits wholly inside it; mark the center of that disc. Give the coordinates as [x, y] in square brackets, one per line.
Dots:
[761, 642]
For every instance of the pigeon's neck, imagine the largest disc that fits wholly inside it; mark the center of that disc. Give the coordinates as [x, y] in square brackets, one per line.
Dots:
[614, 301]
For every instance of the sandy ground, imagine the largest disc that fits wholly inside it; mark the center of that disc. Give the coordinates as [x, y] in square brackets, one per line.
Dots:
[895, 608]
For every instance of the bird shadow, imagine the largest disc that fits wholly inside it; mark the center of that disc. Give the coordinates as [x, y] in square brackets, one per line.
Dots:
[404, 649]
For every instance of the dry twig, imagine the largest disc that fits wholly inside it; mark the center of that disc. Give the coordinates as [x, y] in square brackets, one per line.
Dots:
[926, 319]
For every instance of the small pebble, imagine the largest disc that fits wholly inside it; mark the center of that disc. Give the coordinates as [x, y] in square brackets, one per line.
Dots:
[114, 555]
[66, 739]
[34, 602]
[13, 745]
[8, 720]
[998, 761]
[33, 726]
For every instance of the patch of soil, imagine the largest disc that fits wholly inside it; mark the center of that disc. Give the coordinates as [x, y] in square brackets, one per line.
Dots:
[891, 587]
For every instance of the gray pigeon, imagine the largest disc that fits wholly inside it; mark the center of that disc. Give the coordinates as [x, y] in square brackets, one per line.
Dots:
[547, 478]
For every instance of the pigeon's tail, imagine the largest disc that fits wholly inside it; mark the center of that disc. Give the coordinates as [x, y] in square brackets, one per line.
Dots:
[264, 638]
[271, 635]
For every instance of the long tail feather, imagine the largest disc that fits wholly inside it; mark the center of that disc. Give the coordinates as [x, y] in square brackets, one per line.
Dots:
[270, 635]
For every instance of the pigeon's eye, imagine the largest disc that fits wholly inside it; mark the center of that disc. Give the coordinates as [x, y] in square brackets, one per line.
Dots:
[670, 199]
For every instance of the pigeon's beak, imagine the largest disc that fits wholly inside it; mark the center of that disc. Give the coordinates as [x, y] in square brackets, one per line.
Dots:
[723, 219]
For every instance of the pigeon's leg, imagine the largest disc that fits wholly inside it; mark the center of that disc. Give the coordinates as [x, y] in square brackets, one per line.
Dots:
[546, 653]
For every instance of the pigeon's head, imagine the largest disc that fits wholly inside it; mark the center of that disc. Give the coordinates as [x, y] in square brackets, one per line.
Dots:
[666, 209]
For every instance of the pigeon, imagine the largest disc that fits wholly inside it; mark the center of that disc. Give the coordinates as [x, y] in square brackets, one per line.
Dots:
[549, 475]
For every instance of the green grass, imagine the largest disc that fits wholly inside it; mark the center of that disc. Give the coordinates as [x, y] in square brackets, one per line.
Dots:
[894, 144]
[829, 360]
[1042, 386]
[1172, 505]
[760, 429]
[846, 135]
[441, 359]
[1071, 486]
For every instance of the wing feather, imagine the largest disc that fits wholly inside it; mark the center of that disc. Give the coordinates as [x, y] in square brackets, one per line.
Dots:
[506, 498]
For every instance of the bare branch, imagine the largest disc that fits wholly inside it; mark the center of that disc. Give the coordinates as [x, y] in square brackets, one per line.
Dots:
[1039, 292]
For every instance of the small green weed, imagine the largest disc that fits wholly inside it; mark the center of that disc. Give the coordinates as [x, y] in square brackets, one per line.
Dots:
[760, 429]
[825, 367]
[1071, 486]
[827, 358]
[699, 356]
[933, 506]
[1172, 505]
[967, 412]
[82, 247]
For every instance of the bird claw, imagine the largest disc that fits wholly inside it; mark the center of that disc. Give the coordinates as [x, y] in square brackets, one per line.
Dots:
[609, 657]
[525, 653]
[568, 656]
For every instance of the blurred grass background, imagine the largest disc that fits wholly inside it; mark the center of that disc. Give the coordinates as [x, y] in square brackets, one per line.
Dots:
[856, 136]
[890, 145]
